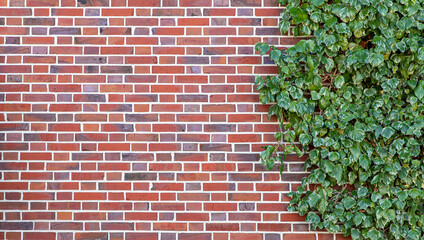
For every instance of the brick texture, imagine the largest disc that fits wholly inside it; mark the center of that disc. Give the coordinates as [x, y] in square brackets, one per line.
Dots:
[138, 119]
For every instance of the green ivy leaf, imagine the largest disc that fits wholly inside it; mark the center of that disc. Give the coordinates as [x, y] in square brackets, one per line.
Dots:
[313, 218]
[387, 132]
[419, 90]
[298, 15]
[385, 203]
[313, 199]
[348, 202]
[375, 59]
[317, 3]
[339, 81]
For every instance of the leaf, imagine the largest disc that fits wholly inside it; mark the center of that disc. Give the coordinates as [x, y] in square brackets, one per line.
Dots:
[358, 218]
[284, 26]
[355, 233]
[338, 172]
[317, 3]
[275, 55]
[313, 218]
[357, 135]
[373, 234]
[362, 191]
[385, 203]
[315, 96]
[329, 40]
[313, 199]
[387, 132]
[348, 202]
[298, 15]
[382, 9]
[262, 47]
[375, 59]
[419, 90]
[421, 53]
[339, 81]
[390, 214]
[305, 139]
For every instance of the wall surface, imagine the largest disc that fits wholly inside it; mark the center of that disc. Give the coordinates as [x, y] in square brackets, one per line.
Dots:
[138, 119]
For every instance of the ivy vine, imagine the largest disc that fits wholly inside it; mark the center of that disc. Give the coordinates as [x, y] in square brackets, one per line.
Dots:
[351, 96]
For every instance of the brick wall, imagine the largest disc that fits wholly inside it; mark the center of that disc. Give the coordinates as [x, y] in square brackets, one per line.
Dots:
[138, 119]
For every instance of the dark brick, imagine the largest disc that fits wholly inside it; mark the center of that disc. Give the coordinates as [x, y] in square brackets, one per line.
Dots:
[116, 69]
[16, 226]
[39, 117]
[268, 31]
[147, 117]
[140, 176]
[92, 60]
[90, 137]
[117, 127]
[140, 79]
[91, 69]
[220, 127]
[14, 126]
[93, 3]
[246, 3]
[66, 226]
[89, 98]
[193, 60]
[64, 31]
[245, 176]
[192, 98]
[14, 50]
[137, 157]
[293, 176]
[248, 157]
[116, 107]
[141, 98]
[39, 21]
[215, 147]
[115, 31]
[91, 22]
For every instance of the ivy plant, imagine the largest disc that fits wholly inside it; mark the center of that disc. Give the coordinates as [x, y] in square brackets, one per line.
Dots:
[350, 95]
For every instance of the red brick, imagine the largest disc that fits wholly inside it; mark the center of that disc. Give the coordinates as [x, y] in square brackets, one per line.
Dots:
[195, 3]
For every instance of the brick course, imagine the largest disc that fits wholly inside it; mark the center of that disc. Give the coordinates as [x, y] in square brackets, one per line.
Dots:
[138, 119]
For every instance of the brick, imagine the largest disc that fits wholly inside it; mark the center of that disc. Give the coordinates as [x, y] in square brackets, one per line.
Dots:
[222, 226]
[14, 206]
[220, 206]
[38, 235]
[16, 226]
[15, 11]
[64, 31]
[273, 227]
[140, 176]
[168, 206]
[141, 236]
[141, 216]
[91, 236]
[15, 68]
[13, 185]
[195, 236]
[195, 3]
[145, 3]
[116, 69]
[246, 236]
[115, 31]
[14, 50]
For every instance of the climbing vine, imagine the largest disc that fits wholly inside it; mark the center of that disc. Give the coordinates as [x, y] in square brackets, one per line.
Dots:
[351, 97]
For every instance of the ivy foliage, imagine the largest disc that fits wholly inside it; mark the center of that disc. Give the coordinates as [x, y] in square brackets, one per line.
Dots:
[351, 96]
